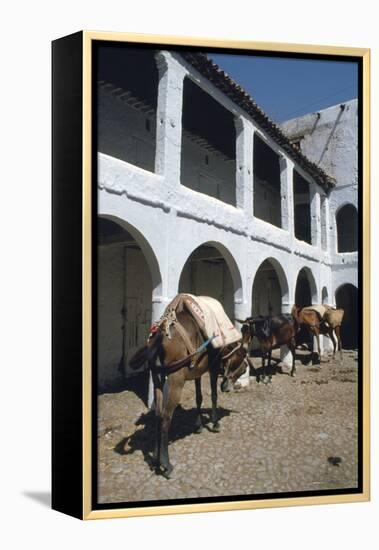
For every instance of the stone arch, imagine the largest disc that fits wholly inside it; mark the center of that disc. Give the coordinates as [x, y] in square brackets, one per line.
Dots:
[347, 228]
[128, 278]
[146, 248]
[270, 288]
[212, 270]
[347, 298]
[306, 288]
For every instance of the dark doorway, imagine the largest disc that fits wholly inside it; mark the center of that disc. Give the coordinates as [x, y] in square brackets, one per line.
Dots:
[302, 208]
[267, 198]
[347, 229]
[206, 273]
[347, 299]
[303, 292]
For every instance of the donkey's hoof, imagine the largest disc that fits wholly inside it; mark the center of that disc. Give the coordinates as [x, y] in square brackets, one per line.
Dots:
[199, 429]
[167, 472]
[216, 427]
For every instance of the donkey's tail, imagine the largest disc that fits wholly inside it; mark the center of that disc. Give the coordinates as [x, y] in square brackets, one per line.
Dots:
[148, 353]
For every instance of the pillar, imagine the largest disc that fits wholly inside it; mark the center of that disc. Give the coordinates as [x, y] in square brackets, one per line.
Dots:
[159, 304]
[315, 216]
[286, 194]
[244, 165]
[241, 311]
[285, 354]
[169, 118]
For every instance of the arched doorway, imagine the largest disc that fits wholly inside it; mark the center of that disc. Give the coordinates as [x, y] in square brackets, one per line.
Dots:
[269, 288]
[127, 274]
[212, 271]
[347, 299]
[305, 295]
[306, 290]
[347, 229]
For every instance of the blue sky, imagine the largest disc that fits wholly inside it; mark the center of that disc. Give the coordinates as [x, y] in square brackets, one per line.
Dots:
[288, 88]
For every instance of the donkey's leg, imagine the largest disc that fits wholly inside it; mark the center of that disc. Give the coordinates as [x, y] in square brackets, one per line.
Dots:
[214, 376]
[338, 334]
[199, 400]
[316, 333]
[331, 336]
[269, 365]
[263, 369]
[292, 347]
[266, 367]
[158, 409]
[172, 392]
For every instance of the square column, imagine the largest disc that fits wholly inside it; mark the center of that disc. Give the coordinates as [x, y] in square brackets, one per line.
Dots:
[285, 354]
[241, 311]
[315, 216]
[325, 223]
[159, 305]
[244, 165]
[169, 118]
[286, 194]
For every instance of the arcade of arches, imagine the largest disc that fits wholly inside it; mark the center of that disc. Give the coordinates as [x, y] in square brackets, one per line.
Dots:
[125, 289]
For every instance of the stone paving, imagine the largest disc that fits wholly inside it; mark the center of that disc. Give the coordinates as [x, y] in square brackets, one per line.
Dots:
[279, 437]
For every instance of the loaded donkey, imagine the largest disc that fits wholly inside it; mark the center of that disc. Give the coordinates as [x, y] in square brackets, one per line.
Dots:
[193, 336]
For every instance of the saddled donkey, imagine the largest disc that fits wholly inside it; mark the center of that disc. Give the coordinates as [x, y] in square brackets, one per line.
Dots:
[272, 332]
[170, 342]
[324, 320]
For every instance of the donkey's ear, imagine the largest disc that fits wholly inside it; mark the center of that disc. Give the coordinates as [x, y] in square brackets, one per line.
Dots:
[240, 321]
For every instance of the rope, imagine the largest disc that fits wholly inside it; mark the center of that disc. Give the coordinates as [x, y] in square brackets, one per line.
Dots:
[176, 365]
[231, 352]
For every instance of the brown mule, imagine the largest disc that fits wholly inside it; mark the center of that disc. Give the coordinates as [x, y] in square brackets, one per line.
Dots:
[177, 367]
[328, 325]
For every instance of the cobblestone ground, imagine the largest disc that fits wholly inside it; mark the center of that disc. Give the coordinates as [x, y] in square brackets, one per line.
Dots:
[279, 437]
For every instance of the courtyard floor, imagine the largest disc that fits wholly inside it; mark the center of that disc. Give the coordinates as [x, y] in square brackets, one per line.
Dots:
[295, 434]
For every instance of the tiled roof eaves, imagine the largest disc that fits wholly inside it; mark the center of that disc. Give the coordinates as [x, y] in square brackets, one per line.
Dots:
[235, 92]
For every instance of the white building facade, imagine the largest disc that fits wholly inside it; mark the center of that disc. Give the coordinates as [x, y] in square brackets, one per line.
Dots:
[330, 139]
[199, 192]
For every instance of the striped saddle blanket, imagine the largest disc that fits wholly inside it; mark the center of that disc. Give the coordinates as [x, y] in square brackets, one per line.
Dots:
[210, 317]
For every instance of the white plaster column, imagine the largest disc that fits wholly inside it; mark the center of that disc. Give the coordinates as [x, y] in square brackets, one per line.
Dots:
[328, 225]
[315, 216]
[241, 311]
[325, 223]
[285, 354]
[244, 165]
[158, 306]
[169, 118]
[286, 194]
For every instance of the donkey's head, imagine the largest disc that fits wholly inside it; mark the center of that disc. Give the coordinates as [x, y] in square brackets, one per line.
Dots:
[233, 368]
[246, 331]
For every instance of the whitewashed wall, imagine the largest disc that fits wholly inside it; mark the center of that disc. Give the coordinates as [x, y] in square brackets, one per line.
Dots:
[330, 138]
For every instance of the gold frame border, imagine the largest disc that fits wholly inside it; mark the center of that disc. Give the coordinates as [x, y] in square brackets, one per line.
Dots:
[364, 53]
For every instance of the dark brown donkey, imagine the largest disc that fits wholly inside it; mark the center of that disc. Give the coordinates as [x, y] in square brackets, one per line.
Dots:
[328, 323]
[272, 332]
[177, 366]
